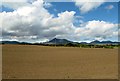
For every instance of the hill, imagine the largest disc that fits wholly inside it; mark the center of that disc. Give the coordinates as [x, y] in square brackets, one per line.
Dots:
[58, 41]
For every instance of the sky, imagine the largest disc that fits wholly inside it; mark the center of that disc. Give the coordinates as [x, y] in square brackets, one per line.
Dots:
[40, 21]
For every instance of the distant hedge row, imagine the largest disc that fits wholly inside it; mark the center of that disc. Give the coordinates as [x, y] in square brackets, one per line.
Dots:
[82, 45]
[76, 45]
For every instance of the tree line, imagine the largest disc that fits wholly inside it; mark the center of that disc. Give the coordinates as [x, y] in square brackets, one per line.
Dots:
[80, 45]
[75, 45]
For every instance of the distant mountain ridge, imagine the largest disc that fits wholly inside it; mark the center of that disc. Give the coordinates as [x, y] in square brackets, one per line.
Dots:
[10, 42]
[13, 42]
[61, 41]
[104, 42]
[58, 41]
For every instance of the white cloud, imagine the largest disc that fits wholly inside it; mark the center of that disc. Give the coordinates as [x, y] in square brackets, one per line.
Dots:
[47, 5]
[34, 23]
[100, 30]
[13, 0]
[109, 7]
[88, 5]
[21, 3]
[15, 4]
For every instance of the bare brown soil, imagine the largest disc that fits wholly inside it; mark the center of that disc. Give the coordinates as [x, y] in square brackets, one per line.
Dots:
[39, 62]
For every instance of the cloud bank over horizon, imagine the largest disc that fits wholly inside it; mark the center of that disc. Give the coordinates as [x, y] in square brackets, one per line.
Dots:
[34, 23]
